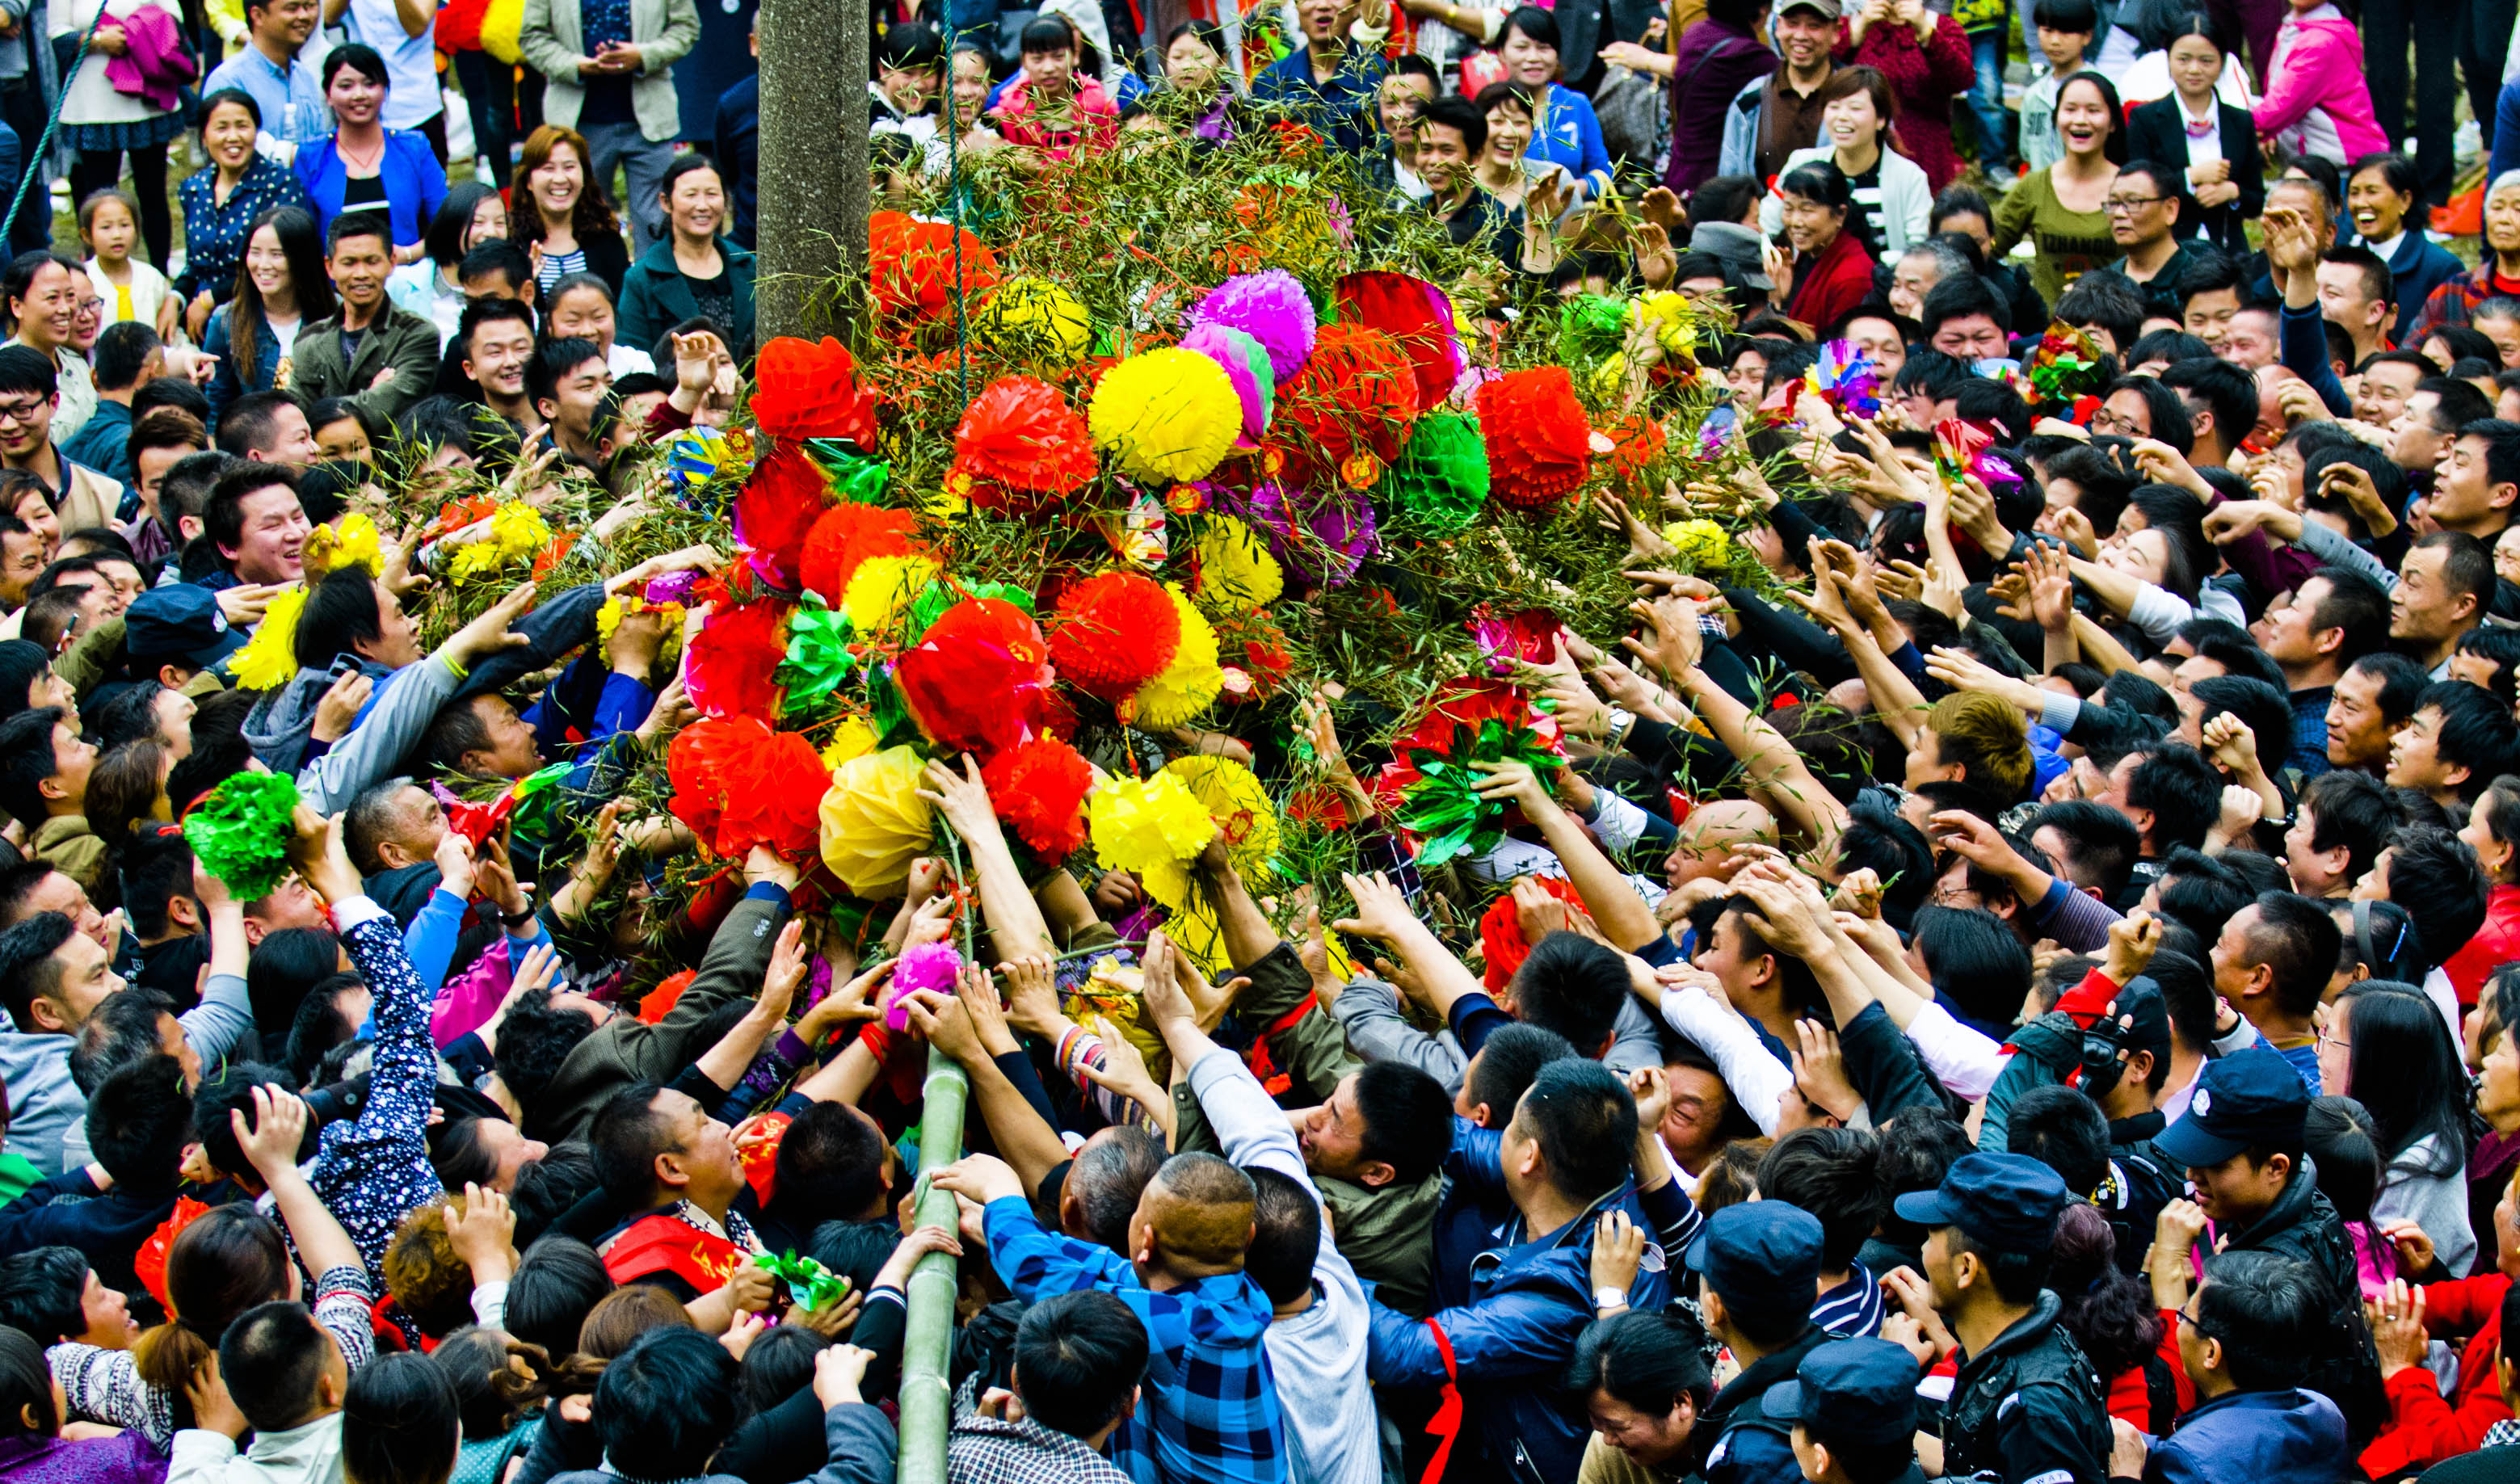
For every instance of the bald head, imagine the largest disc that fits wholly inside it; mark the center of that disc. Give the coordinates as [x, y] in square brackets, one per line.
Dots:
[1197, 1215]
[1712, 831]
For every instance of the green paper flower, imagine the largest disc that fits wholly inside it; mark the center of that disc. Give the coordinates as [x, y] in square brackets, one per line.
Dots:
[818, 655]
[814, 1287]
[855, 478]
[1591, 327]
[1442, 804]
[936, 598]
[1442, 478]
[241, 832]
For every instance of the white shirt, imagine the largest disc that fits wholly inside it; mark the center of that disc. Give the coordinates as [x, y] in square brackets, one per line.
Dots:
[623, 360]
[411, 61]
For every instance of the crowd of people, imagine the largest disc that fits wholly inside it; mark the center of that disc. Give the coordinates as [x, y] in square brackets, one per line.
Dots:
[1992, 953]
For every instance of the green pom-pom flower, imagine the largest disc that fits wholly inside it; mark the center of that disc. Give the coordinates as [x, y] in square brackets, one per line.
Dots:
[1441, 480]
[241, 832]
[818, 655]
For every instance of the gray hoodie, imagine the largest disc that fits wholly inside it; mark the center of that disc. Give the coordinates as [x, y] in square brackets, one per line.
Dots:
[48, 1113]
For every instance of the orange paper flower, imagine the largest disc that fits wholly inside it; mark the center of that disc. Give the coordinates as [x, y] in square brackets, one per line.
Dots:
[979, 679]
[1113, 633]
[1019, 444]
[847, 534]
[911, 267]
[1539, 445]
[776, 513]
[1039, 786]
[1357, 395]
[806, 390]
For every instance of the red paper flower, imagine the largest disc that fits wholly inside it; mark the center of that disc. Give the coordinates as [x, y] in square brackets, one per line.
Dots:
[1469, 702]
[703, 756]
[1356, 394]
[777, 799]
[1539, 445]
[1501, 934]
[1405, 308]
[1039, 786]
[1635, 441]
[776, 514]
[1019, 443]
[977, 680]
[910, 265]
[847, 534]
[1114, 633]
[658, 1001]
[730, 670]
[806, 390]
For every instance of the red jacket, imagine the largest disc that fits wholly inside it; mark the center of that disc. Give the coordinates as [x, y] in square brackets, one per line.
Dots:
[2496, 944]
[1832, 283]
[2424, 1427]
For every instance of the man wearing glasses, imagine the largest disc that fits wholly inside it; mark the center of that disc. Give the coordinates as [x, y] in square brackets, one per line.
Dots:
[2144, 221]
[29, 398]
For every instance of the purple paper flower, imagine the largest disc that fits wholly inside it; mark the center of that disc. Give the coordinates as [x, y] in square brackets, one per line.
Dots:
[1319, 536]
[1247, 365]
[673, 587]
[924, 965]
[1271, 307]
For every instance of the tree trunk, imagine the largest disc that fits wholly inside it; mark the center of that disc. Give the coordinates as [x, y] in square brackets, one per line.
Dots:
[813, 215]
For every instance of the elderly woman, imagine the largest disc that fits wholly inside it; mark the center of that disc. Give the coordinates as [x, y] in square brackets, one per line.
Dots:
[2497, 274]
[1827, 271]
[1892, 197]
[223, 199]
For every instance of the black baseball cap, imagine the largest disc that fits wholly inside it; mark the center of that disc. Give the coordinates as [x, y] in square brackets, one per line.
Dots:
[2141, 1002]
[2247, 1099]
[1759, 1253]
[181, 621]
[1860, 1391]
[2006, 1203]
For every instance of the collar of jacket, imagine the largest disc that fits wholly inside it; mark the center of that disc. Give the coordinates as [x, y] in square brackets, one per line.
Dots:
[2026, 1331]
[1760, 1374]
[1518, 1251]
[2291, 1208]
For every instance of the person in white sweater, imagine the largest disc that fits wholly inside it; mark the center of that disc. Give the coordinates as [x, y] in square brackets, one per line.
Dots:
[2384, 1045]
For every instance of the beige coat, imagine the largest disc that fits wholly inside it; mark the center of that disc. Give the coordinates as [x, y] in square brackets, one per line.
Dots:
[553, 41]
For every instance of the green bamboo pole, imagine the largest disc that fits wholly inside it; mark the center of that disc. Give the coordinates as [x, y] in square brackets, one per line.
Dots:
[926, 1398]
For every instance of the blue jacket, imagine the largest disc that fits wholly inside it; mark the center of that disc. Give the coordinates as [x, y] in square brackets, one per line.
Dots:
[1569, 133]
[2250, 1437]
[1522, 1303]
[226, 384]
[415, 183]
[2416, 268]
[1341, 109]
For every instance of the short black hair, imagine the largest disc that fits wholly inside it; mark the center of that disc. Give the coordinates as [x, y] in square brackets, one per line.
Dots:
[830, 1162]
[123, 1028]
[1960, 298]
[2352, 809]
[223, 521]
[23, 368]
[1506, 1061]
[43, 1293]
[2212, 272]
[2106, 300]
[2296, 940]
[400, 1421]
[122, 351]
[2072, 17]
[2460, 403]
[28, 972]
[2162, 409]
[2476, 733]
[625, 1138]
[2017, 1275]
[223, 1090]
[1286, 1233]
[270, 1358]
[1647, 1359]
[2181, 789]
[1835, 1175]
[2497, 647]
[2169, 345]
[1078, 1356]
[1585, 1120]
[1572, 985]
[2264, 709]
[2357, 604]
[250, 424]
[2402, 683]
[2467, 566]
[2435, 875]
[553, 360]
[670, 1401]
[27, 757]
[138, 1121]
[2269, 1313]
[2228, 391]
[340, 613]
[496, 255]
[534, 1039]
[1407, 1120]
[1980, 965]
[559, 1280]
[2064, 1130]
[1459, 115]
[350, 224]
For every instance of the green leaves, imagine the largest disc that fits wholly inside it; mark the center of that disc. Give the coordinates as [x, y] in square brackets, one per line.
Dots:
[1443, 805]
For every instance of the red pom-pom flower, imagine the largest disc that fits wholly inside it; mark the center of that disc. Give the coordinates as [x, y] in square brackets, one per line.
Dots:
[1039, 786]
[979, 679]
[1539, 445]
[847, 534]
[910, 265]
[1114, 632]
[1357, 395]
[776, 514]
[807, 390]
[732, 667]
[1019, 444]
[777, 799]
[1417, 317]
[1501, 932]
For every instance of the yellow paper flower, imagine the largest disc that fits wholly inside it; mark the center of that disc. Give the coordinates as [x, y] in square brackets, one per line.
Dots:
[874, 824]
[519, 531]
[1673, 318]
[882, 587]
[1191, 683]
[609, 617]
[1240, 807]
[1235, 570]
[1702, 544]
[1167, 415]
[1034, 316]
[854, 739]
[350, 542]
[475, 559]
[1151, 828]
[270, 659]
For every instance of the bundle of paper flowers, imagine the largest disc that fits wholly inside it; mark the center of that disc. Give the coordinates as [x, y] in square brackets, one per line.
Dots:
[802, 390]
[1234, 797]
[1035, 321]
[1540, 446]
[270, 658]
[1270, 306]
[2064, 365]
[738, 783]
[1151, 828]
[1112, 633]
[1167, 416]
[351, 541]
[846, 535]
[1244, 364]
[733, 666]
[1019, 448]
[882, 589]
[922, 967]
[239, 833]
[518, 533]
[1701, 545]
[911, 265]
[1428, 783]
[1320, 535]
[1235, 569]
[1500, 941]
[776, 513]
[874, 824]
[1846, 378]
[1189, 683]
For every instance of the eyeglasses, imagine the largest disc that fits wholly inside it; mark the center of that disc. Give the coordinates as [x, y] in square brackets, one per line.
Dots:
[2129, 204]
[20, 411]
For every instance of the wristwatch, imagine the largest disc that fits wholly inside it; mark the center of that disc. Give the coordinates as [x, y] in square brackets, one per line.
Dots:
[1609, 1298]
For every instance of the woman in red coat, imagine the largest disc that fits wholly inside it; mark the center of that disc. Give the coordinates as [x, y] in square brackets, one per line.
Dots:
[1927, 58]
[1827, 272]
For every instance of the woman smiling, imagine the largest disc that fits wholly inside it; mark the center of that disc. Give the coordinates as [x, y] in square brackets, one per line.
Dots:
[2061, 208]
[1892, 197]
[694, 271]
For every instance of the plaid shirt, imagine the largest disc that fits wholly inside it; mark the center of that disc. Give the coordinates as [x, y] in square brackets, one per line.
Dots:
[2308, 755]
[1211, 1405]
[986, 1451]
[2454, 302]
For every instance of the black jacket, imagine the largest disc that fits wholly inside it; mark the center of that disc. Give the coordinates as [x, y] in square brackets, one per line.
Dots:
[2157, 131]
[2303, 1226]
[1743, 1446]
[2028, 1407]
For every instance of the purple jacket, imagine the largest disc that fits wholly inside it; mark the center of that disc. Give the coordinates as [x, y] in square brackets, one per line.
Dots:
[123, 1460]
[1713, 63]
[155, 66]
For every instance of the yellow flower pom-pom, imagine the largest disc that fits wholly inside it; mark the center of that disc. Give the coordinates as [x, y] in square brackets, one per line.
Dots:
[1191, 683]
[519, 531]
[1168, 415]
[1673, 318]
[854, 739]
[473, 561]
[882, 587]
[874, 824]
[350, 542]
[1150, 829]
[270, 659]
[1034, 317]
[1702, 544]
[1240, 806]
[1235, 570]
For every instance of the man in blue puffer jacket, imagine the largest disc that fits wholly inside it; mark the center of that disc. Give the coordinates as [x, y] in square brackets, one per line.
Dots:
[1514, 1280]
[2248, 1338]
